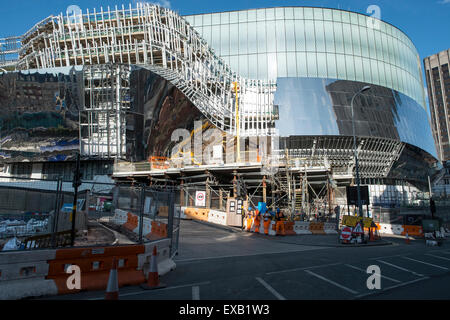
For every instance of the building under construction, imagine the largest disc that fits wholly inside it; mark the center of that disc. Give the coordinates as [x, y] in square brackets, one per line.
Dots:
[253, 104]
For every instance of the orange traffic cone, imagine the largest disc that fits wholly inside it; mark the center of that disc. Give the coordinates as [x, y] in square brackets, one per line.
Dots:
[112, 290]
[153, 276]
[407, 238]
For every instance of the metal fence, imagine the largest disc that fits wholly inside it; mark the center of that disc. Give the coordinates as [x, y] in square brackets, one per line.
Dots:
[37, 213]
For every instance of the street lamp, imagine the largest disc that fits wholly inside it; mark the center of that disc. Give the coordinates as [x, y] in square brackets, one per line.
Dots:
[355, 151]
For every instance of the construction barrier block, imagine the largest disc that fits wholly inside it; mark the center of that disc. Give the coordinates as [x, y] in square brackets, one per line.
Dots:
[302, 227]
[416, 231]
[316, 228]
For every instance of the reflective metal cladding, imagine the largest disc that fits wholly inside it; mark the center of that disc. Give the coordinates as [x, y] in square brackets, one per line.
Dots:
[315, 106]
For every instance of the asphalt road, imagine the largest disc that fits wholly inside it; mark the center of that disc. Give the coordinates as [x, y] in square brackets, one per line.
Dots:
[217, 264]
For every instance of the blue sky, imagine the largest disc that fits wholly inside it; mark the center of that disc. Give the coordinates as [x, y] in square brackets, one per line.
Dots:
[426, 22]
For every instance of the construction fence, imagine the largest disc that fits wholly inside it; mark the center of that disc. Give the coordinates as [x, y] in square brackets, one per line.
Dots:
[37, 214]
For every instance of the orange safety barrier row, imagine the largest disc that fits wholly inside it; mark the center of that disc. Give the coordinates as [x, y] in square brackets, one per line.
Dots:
[197, 213]
[413, 231]
[132, 222]
[289, 228]
[95, 265]
[316, 228]
[159, 231]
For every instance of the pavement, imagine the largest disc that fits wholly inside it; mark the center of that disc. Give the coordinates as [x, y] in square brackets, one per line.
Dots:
[218, 264]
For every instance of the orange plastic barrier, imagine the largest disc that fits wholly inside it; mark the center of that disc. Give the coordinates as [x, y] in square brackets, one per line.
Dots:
[159, 231]
[316, 228]
[197, 213]
[280, 228]
[266, 224]
[132, 222]
[413, 231]
[289, 228]
[95, 265]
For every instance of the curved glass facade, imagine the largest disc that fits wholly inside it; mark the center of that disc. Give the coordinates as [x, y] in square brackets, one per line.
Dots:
[273, 43]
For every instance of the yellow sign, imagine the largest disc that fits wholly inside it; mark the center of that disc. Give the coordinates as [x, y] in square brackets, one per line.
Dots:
[351, 221]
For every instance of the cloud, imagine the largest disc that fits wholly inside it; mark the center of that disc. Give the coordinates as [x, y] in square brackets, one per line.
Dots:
[161, 3]
[444, 2]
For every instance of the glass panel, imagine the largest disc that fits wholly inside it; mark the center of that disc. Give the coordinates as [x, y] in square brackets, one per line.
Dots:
[215, 18]
[355, 42]
[320, 36]
[279, 13]
[364, 44]
[329, 36]
[362, 20]
[298, 13]
[347, 38]
[225, 39]
[349, 64]
[261, 36]
[374, 69]
[206, 19]
[318, 14]
[371, 42]
[271, 36]
[310, 38]
[299, 35]
[322, 65]
[262, 66]
[345, 16]
[261, 14]
[243, 65]
[272, 66]
[378, 45]
[251, 15]
[327, 14]
[206, 34]
[281, 65]
[337, 15]
[312, 64]
[302, 70]
[224, 18]
[354, 18]
[281, 41]
[308, 12]
[234, 17]
[367, 71]
[270, 14]
[252, 45]
[234, 40]
[215, 41]
[243, 38]
[291, 64]
[340, 63]
[290, 35]
[339, 38]
[289, 13]
[252, 66]
[198, 20]
[331, 66]
[242, 16]
[387, 70]
[359, 74]
[234, 63]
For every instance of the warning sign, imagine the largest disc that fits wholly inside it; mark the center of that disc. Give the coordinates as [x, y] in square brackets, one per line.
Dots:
[346, 233]
[351, 221]
[200, 198]
[358, 229]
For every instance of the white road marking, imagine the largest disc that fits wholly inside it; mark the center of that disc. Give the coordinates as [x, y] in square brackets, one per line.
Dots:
[305, 268]
[382, 276]
[332, 282]
[392, 287]
[400, 268]
[427, 263]
[432, 255]
[272, 290]
[162, 289]
[195, 293]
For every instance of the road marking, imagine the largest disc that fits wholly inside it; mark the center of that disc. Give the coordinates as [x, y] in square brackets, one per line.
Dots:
[162, 289]
[356, 268]
[432, 255]
[332, 282]
[305, 268]
[392, 287]
[400, 268]
[272, 290]
[427, 263]
[397, 255]
[195, 293]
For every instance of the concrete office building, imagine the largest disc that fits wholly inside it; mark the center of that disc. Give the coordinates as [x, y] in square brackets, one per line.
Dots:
[135, 74]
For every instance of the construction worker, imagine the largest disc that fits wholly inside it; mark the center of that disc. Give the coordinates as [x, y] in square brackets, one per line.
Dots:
[267, 220]
[249, 218]
[257, 220]
[280, 218]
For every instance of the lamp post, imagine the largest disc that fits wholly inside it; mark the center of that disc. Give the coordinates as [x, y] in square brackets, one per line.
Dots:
[356, 152]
